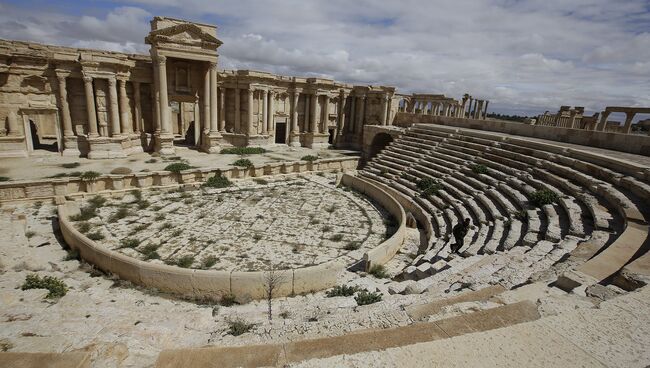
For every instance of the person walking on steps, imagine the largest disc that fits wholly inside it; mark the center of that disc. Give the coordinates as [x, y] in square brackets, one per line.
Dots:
[459, 231]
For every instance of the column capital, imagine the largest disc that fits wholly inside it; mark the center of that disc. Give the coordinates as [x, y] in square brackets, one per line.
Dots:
[61, 77]
[112, 81]
[161, 59]
[87, 78]
[212, 65]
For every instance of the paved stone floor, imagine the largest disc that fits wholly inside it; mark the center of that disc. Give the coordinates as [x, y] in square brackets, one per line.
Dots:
[47, 164]
[285, 222]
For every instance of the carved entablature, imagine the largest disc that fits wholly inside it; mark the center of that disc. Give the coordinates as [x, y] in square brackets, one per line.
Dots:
[182, 39]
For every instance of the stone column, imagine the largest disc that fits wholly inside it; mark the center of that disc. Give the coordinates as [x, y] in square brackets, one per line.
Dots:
[271, 110]
[214, 108]
[341, 116]
[138, 108]
[65, 108]
[12, 120]
[265, 112]
[250, 112]
[603, 120]
[313, 126]
[353, 114]
[206, 101]
[629, 116]
[362, 112]
[326, 113]
[306, 123]
[384, 105]
[113, 110]
[125, 111]
[165, 123]
[485, 109]
[155, 96]
[294, 140]
[222, 109]
[90, 107]
[238, 129]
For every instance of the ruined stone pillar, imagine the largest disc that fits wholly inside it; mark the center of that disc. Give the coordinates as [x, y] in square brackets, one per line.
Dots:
[165, 124]
[353, 114]
[206, 100]
[326, 114]
[138, 108]
[65, 107]
[384, 105]
[238, 110]
[12, 121]
[485, 109]
[341, 115]
[214, 105]
[294, 140]
[90, 107]
[113, 110]
[155, 96]
[313, 119]
[265, 112]
[271, 110]
[362, 113]
[603, 120]
[125, 111]
[222, 109]
[250, 111]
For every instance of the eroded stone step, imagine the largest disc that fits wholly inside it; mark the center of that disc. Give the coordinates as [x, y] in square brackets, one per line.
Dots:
[44, 360]
[420, 311]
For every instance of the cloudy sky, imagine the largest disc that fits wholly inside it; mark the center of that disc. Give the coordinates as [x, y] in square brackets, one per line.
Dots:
[525, 56]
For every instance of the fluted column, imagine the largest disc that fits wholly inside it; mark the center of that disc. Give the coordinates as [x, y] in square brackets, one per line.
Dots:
[238, 129]
[65, 107]
[312, 113]
[138, 126]
[165, 123]
[222, 109]
[294, 113]
[113, 110]
[206, 100]
[326, 114]
[265, 111]
[307, 121]
[271, 110]
[125, 111]
[155, 96]
[250, 112]
[90, 107]
[214, 108]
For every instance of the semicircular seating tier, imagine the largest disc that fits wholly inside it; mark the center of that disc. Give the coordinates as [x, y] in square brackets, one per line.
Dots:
[596, 232]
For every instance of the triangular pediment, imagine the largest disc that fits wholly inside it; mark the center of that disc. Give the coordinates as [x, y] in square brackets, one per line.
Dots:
[186, 33]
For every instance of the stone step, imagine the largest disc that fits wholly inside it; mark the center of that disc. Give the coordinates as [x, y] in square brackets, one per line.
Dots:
[420, 311]
[44, 360]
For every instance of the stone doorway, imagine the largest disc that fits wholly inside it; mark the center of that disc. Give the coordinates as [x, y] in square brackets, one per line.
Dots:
[281, 133]
[332, 134]
[42, 133]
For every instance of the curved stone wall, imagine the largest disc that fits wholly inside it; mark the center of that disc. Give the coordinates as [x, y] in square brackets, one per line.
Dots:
[243, 285]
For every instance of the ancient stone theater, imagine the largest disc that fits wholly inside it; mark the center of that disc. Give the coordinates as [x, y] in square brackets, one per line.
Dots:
[158, 211]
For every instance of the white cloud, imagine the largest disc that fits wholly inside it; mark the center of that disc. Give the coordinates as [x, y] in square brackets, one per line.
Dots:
[525, 56]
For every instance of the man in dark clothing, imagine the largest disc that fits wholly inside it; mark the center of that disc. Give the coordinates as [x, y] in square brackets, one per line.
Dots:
[459, 231]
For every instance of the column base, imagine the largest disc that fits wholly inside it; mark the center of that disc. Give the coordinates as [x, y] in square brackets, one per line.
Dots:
[71, 147]
[104, 147]
[164, 144]
[212, 143]
[294, 140]
[316, 140]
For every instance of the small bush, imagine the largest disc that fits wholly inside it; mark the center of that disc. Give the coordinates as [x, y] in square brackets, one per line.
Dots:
[257, 236]
[176, 233]
[239, 327]
[243, 162]
[142, 204]
[151, 161]
[185, 261]
[379, 272]
[217, 181]
[85, 214]
[243, 150]
[121, 171]
[365, 297]
[228, 300]
[129, 243]
[97, 201]
[342, 290]
[543, 197]
[177, 167]
[150, 251]
[209, 261]
[70, 165]
[72, 254]
[83, 227]
[165, 226]
[285, 314]
[89, 175]
[4, 178]
[120, 214]
[330, 209]
[429, 186]
[261, 181]
[30, 234]
[522, 216]
[336, 237]
[309, 158]
[326, 228]
[55, 286]
[95, 236]
[479, 169]
[353, 245]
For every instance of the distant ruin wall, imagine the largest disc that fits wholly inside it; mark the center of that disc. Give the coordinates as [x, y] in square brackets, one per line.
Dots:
[630, 143]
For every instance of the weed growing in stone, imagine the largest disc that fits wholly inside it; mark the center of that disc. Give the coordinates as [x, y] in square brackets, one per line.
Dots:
[429, 187]
[209, 261]
[30, 234]
[185, 261]
[243, 150]
[243, 162]
[129, 243]
[70, 165]
[55, 286]
[336, 237]
[479, 169]
[342, 290]
[365, 297]
[89, 175]
[352, 245]
[379, 272]
[543, 197]
[239, 327]
[309, 158]
[5, 178]
[217, 181]
[177, 167]
[72, 254]
[95, 236]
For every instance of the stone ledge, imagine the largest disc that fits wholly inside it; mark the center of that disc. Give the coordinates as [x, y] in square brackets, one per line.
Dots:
[44, 360]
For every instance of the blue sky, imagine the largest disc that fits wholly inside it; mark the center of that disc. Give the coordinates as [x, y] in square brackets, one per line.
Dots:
[525, 56]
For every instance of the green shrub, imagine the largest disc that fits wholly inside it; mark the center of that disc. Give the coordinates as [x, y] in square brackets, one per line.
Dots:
[89, 175]
[257, 236]
[30, 234]
[97, 235]
[83, 227]
[70, 165]
[121, 171]
[326, 228]
[365, 297]
[261, 181]
[352, 245]
[479, 169]
[239, 327]
[243, 162]
[176, 233]
[543, 197]
[522, 216]
[97, 201]
[242, 150]
[379, 272]
[72, 254]
[309, 158]
[85, 214]
[150, 251]
[336, 237]
[185, 261]
[429, 186]
[55, 286]
[4, 178]
[120, 214]
[228, 300]
[177, 167]
[342, 290]
[142, 204]
[209, 261]
[165, 226]
[151, 161]
[129, 243]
